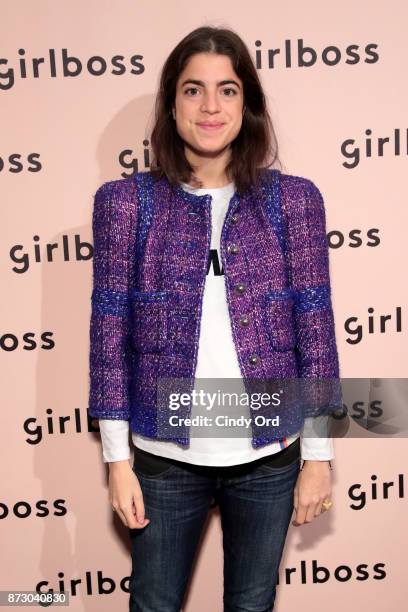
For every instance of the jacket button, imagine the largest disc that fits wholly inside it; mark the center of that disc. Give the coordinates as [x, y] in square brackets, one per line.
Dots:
[240, 288]
[253, 360]
[234, 218]
[244, 320]
[233, 248]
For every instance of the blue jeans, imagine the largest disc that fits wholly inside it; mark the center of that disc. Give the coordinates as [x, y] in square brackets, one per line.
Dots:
[256, 504]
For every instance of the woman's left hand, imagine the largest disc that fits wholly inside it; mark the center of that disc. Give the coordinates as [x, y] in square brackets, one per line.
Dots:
[313, 486]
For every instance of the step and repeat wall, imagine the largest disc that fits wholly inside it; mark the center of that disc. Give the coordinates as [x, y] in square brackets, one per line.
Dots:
[77, 87]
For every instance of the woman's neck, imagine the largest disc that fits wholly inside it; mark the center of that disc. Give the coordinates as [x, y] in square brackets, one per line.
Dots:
[211, 172]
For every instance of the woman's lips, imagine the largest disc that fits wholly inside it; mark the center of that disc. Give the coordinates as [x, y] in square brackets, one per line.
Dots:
[209, 127]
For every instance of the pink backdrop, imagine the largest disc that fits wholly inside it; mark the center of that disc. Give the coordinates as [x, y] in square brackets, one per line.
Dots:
[61, 138]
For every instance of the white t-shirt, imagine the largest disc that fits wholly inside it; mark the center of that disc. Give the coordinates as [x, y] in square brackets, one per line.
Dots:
[216, 359]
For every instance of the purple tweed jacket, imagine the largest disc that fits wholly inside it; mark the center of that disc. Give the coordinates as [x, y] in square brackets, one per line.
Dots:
[151, 251]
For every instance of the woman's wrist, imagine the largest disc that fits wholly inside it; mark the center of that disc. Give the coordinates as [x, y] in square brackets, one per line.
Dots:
[118, 465]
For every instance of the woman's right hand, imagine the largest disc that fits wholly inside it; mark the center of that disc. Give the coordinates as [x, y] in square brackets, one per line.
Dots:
[125, 495]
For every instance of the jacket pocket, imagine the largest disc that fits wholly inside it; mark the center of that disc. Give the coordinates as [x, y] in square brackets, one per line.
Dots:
[279, 318]
[149, 321]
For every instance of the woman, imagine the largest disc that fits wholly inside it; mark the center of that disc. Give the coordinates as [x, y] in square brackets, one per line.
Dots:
[163, 310]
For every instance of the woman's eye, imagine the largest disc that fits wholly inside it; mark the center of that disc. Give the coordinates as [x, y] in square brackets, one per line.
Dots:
[227, 89]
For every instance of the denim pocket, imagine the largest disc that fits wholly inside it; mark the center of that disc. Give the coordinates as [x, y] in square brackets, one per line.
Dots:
[272, 469]
[149, 465]
[284, 459]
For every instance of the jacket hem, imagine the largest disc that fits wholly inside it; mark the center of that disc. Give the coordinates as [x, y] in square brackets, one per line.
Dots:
[109, 413]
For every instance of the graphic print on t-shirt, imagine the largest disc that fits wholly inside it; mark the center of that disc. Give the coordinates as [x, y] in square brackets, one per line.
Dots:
[214, 263]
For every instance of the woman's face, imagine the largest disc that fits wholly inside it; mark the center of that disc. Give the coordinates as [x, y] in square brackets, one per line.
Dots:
[208, 92]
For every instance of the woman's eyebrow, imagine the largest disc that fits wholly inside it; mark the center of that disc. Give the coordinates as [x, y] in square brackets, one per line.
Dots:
[202, 84]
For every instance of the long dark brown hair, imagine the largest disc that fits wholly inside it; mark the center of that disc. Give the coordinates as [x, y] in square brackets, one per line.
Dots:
[254, 149]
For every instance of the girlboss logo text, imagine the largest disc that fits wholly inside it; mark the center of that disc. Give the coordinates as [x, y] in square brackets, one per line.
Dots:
[64, 64]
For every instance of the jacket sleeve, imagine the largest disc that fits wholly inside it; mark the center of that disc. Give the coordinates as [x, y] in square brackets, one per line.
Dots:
[308, 262]
[113, 223]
